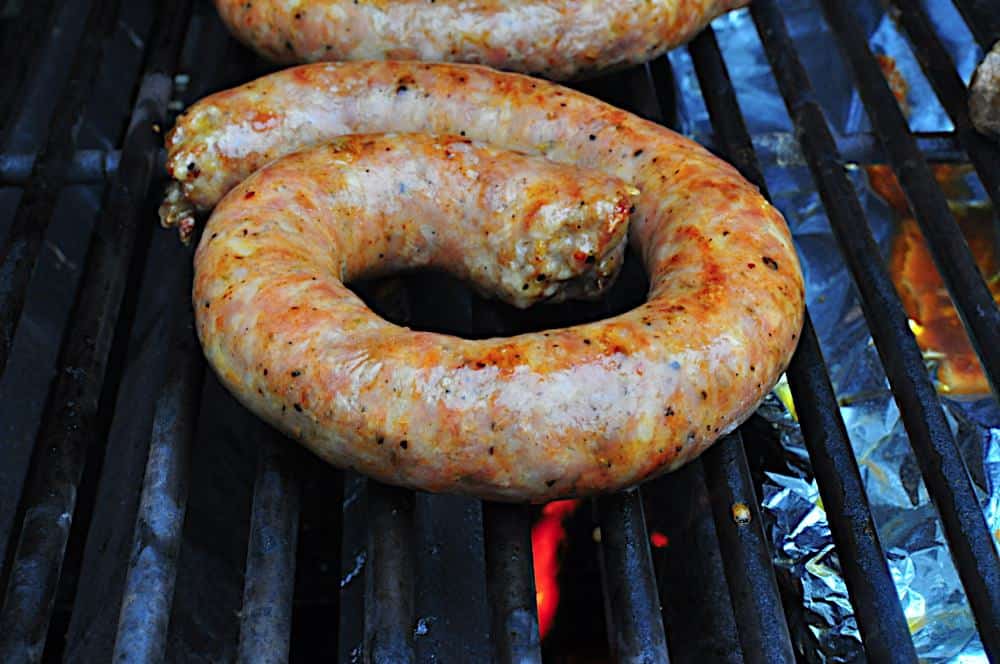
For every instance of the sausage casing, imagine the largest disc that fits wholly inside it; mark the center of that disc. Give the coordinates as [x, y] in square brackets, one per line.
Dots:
[558, 39]
[574, 411]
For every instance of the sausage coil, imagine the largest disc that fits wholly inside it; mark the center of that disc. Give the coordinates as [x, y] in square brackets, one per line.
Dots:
[558, 39]
[573, 411]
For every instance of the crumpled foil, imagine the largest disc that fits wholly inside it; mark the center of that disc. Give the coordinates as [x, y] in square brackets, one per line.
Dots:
[929, 590]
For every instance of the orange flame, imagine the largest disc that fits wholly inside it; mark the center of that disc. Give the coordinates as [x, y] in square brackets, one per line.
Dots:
[546, 537]
[933, 318]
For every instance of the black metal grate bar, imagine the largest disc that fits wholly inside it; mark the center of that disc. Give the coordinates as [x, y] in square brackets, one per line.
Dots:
[753, 587]
[69, 423]
[941, 465]
[983, 20]
[150, 559]
[266, 618]
[354, 568]
[510, 583]
[389, 596]
[149, 583]
[940, 70]
[947, 245]
[31, 106]
[883, 626]
[630, 592]
[39, 201]
[20, 247]
[82, 167]
[884, 630]
[20, 35]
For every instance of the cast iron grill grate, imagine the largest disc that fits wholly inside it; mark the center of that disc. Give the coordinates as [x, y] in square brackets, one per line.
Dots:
[80, 583]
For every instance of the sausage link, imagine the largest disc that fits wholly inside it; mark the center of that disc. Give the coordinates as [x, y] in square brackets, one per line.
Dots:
[558, 39]
[574, 411]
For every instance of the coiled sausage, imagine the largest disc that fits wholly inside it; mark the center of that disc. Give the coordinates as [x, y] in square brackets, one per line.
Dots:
[573, 411]
[558, 39]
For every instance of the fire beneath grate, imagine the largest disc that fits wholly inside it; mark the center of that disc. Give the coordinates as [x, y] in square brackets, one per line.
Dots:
[144, 515]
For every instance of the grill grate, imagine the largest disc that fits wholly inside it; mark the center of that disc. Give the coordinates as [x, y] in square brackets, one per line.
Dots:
[393, 543]
[940, 463]
[69, 423]
[880, 617]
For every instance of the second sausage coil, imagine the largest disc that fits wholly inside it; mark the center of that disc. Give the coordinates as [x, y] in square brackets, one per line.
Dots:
[573, 411]
[557, 39]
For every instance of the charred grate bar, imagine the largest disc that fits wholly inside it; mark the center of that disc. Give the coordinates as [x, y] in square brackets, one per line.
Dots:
[749, 572]
[937, 453]
[148, 593]
[19, 40]
[17, 254]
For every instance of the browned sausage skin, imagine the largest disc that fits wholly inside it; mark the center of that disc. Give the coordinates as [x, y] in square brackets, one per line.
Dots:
[558, 39]
[575, 411]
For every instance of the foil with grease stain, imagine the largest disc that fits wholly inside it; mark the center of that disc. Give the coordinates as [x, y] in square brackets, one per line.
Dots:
[910, 531]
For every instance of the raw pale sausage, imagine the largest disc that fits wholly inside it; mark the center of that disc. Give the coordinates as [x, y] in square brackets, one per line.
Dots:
[573, 411]
[558, 39]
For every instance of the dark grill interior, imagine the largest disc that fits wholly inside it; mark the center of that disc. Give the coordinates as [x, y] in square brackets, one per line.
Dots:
[128, 496]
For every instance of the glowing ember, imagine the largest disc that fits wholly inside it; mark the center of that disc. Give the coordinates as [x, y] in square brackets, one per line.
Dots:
[546, 537]
[933, 318]
[659, 540]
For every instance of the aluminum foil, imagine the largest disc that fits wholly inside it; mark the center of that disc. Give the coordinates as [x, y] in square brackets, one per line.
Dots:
[910, 530]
